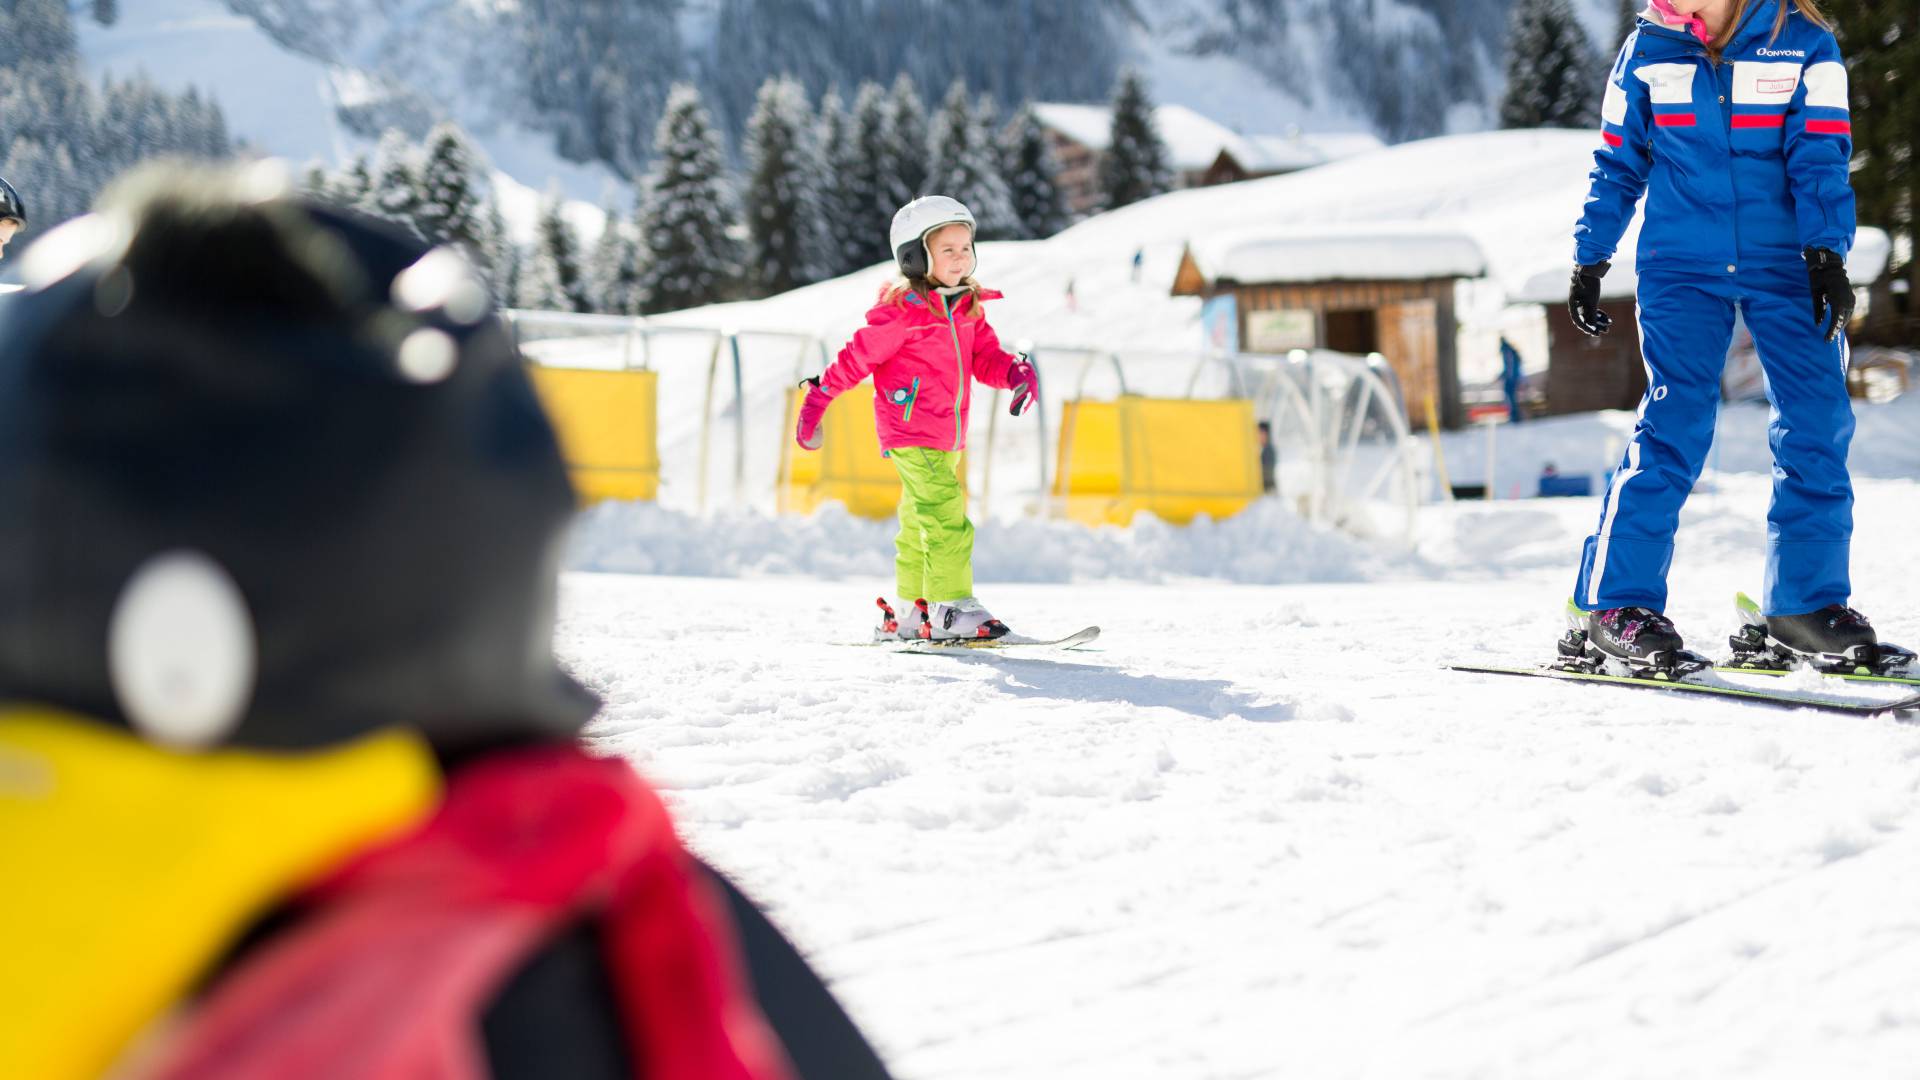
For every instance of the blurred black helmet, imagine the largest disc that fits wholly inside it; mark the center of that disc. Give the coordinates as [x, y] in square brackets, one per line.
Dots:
[11, 208]
[272, 475]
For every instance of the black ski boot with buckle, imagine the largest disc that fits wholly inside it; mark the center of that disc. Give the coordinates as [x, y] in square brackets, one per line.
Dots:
[1835, 639]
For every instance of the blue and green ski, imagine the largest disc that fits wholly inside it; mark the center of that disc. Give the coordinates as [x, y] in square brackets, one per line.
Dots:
[1699, 683]
[1690, 673]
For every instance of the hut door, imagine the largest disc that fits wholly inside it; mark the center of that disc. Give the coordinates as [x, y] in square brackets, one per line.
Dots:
[1410, 340]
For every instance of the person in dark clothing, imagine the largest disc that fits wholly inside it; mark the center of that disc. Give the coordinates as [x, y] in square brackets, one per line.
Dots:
[279, 524]
[1269, 458]
[1510, 376]
[13, 214]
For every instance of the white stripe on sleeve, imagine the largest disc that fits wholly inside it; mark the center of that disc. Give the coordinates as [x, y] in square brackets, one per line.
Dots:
[1826, 85]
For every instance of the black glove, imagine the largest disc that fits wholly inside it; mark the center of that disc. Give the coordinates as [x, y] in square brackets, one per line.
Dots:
[1583, 299]
[1832, 292]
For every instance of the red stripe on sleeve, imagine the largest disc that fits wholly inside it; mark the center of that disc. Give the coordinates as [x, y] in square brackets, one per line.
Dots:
[1612, 139]
[1830, 127]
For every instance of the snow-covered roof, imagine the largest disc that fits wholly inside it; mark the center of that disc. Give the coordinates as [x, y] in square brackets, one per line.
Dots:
[1089, 125]
[1194, 141]
[1385, 251]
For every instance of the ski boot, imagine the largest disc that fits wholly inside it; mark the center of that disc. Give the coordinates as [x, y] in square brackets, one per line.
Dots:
[1633, 641]
[964, 619]
[1836, 640]
[894, 627]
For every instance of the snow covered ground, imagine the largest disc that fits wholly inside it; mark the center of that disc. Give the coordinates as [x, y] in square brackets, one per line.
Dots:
[1260, 832]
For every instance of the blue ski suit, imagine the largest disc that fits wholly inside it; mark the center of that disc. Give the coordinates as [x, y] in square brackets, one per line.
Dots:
[1744, 164]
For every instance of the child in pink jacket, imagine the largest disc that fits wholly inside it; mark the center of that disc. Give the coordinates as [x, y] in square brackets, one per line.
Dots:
[925, 343]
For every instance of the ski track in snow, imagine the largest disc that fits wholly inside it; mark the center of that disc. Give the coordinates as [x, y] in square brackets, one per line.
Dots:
[1260, 832]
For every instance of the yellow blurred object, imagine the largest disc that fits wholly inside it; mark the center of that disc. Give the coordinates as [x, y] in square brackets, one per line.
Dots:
[1173, 457]
[130, 869]
[608, 422]
[848, 468]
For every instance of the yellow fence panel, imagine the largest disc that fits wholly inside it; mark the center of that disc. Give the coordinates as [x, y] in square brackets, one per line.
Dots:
[1173, 457]
[848, 468]
[608, 423]
[1087, 467]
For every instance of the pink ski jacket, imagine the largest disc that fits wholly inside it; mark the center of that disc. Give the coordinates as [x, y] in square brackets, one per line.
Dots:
[923, 359]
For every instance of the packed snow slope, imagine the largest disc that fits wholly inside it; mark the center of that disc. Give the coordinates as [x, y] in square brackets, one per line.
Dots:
[1260, 832]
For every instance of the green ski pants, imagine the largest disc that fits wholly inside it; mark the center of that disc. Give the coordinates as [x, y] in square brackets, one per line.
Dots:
[935, 543]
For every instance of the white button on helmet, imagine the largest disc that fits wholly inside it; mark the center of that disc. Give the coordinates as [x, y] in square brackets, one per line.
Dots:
[908, 237]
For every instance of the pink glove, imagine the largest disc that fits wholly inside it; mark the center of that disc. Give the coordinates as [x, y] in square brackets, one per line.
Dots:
[811, 410]
[1025, 382]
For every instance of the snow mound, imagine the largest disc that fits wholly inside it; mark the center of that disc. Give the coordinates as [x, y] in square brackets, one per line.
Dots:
[1266, 545]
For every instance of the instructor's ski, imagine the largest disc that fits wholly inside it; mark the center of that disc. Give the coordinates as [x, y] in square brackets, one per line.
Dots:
[1696, 684]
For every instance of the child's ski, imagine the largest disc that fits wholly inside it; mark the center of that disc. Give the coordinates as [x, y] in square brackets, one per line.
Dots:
[1011, 641]
[1695, 684]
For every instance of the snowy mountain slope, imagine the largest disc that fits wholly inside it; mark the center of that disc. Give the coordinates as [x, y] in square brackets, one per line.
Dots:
[284, 68]
[287, 104]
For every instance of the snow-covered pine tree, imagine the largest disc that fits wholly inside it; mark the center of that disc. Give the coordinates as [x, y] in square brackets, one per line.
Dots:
[963, 161]
[613, 269]
[451, 192]
[1135, 164]
[1553, 72]
[841, 209]
[201, 128]
[315, 183]
[501, 261]
[395, 195]
[871, 190]
[1028, 164]
[787, 239]
[537, 286]
[906, 140]
[555, 242]
[687, 205]
[354, 185]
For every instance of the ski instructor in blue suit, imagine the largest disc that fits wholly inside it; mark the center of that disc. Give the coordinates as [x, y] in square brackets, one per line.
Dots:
[1730, 116]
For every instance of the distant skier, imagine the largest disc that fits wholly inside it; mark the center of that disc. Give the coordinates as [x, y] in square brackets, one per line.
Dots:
[925, 343]
[1511, 374]
[1731, 115]
[13, 214]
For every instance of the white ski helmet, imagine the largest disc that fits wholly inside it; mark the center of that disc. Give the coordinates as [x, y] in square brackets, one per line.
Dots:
[907, 239]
